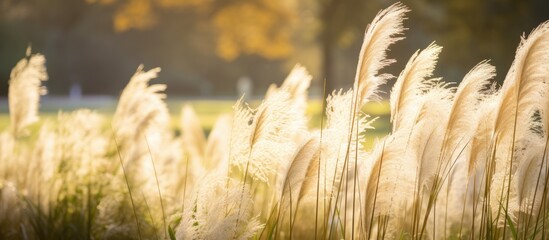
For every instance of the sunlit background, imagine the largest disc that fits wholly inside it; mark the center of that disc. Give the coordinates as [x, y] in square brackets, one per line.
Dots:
[205, 46]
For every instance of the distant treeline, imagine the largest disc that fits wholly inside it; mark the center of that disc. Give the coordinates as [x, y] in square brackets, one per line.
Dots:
[204, 47]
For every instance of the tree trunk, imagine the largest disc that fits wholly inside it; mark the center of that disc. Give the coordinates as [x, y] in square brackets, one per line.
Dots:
[328, 37]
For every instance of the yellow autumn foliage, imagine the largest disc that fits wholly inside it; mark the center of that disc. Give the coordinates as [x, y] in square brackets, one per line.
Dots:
[182, 3]
[134, 14]
[253, 27]
[246, 28]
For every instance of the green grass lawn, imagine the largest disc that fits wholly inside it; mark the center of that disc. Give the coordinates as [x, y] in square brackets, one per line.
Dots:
[209, 110]
[4, 121]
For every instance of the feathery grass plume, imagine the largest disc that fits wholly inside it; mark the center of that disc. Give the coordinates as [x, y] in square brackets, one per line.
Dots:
[520, 94]
[385, 30]
[538, 205]
[411, 83]
[164, 178]
[544, 119]
[426, 136]
[263, 138]
[292, 176]
[460, 125]
[370, 185]
[142, 122]
[217, 145]
[142, 112]
[8, 155]
[25, 90]
[308, 188]
[81, 141]
[70, 162]
[78, 150]
[455, 145]
[140, 107]
[522, 87]
[478, 161]
[482, 140]
[170, 167]
[45, 153]
[341, 151]
[55, 175]
[194, 141]
[22, 168]
[406, 166]
[337, 139]
[11, 211]
[458, 133]
[424, 140]
[544, 112]
[114, 216]
[339, 148]
[213, 211]
[296, 84]
[337, 113]
[531, 168]
[390, 187]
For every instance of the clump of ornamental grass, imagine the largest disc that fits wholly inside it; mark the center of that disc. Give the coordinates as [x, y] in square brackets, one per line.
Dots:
[25, 88]
[465, 160]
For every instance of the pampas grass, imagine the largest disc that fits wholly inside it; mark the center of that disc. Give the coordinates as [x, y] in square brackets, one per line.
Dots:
[25, 88]
[467, 160]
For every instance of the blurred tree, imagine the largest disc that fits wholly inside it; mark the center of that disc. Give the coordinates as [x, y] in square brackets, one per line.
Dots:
[98, 43]
[261, 27]
[58, 17]
[252, 28]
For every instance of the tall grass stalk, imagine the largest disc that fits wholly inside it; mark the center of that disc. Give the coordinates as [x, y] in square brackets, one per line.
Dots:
[320, 160]
[158, 188]
[127, 185]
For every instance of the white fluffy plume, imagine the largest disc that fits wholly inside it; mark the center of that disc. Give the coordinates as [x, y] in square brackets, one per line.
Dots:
[524, 82]
[412, 82]
[292, 176]
[194, 141]
[214, 210]
[296, 85]
[520, 94]
[25, 90]
[217, 146]
[263, 138]
[385, 29]
[462, 120]
[141, 107]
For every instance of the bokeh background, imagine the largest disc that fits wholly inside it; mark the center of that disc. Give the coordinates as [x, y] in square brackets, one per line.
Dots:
[204, 46]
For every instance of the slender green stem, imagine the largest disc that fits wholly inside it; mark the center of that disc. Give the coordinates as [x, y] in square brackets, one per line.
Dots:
[320, 156]
[242, 192]
[127, 185]
[150, 215]
[371, 223]
[158, 188]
